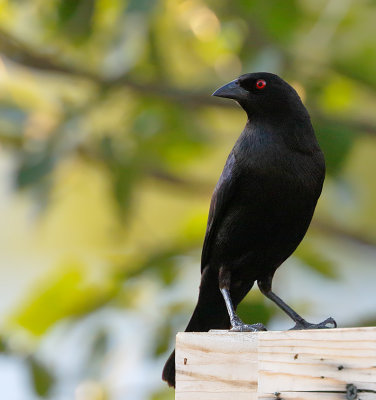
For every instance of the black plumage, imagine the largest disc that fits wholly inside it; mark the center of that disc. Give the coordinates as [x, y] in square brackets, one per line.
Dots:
[261, 207]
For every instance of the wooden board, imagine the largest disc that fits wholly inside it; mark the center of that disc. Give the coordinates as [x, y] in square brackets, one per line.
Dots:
[304, 365]
[206, 365]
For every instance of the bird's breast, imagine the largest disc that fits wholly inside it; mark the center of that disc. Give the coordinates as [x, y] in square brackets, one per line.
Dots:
[268, 216]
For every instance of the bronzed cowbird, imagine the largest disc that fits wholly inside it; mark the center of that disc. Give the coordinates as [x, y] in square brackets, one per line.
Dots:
[261, 207]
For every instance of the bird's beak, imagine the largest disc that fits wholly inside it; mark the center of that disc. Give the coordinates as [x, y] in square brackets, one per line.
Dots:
[231, 90]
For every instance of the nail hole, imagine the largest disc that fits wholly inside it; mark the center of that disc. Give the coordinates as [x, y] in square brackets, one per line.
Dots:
[185, 361]
[351, 392]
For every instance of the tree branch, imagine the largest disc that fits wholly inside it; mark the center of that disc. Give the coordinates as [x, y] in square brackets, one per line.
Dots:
[341, 233]
[19, 52]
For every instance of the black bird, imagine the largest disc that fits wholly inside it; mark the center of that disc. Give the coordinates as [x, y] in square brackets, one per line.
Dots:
[261, 207]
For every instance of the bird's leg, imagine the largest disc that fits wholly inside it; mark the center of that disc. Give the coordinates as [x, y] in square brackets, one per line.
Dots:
[300, 322]
[237, 325]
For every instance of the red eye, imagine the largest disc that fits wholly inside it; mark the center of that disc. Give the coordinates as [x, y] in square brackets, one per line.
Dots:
[260, 84]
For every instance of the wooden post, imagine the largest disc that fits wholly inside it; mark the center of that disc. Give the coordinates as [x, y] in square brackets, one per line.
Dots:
[328, 364]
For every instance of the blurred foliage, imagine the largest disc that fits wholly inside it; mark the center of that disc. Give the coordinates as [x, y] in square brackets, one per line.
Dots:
[111, 146]
[260, 311]
[84, 295]
[41, 377]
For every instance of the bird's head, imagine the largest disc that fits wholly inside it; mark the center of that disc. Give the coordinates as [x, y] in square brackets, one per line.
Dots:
[263, 94]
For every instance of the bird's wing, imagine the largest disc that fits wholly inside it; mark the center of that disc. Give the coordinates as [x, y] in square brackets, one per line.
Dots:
[220, 200]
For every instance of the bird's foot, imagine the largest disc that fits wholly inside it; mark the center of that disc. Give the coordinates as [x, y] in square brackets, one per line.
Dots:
[329, 323]
[239, 326]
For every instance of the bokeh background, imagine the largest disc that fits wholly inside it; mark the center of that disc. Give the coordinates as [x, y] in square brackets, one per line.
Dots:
[110, 147]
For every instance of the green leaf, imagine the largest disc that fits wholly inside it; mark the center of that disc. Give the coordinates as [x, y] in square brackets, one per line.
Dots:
[124, 171]
[166, 134]
[164, 394]
[278, 18]
[254, 310]
[11, 121]
[336, 142]
[3, 346]
[68, 292]
[313, 259]
[359, 64]
[42, 378]
[163, 264]
[34, 168]
[162, 340]
[145, 6]
[75, 16]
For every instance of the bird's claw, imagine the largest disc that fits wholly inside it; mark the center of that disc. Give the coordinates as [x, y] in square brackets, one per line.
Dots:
[329, 323]
[239, 326]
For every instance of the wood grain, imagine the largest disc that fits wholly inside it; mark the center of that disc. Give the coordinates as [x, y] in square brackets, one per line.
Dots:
[207, 368]
[299, 365]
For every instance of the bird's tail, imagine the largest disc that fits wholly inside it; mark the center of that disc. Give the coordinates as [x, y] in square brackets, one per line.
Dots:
[210, 313]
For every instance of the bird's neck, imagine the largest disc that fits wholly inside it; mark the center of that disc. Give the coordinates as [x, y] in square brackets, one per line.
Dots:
[296, 135]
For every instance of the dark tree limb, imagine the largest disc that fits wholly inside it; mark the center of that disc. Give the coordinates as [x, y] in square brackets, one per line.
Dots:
[21, 53]
[17, 51]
